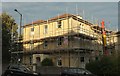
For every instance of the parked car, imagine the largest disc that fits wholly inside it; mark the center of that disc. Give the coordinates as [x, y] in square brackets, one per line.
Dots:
[76, 72]
[19, 70]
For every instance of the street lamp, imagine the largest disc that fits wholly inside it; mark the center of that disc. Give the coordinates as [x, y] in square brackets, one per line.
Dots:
[19, 38]
[20, 21]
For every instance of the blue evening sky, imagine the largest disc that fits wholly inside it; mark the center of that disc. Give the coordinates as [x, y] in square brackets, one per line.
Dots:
[93, 11]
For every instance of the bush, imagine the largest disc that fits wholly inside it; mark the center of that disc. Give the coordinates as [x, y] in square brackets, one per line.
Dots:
[47, 62]
[106, 66]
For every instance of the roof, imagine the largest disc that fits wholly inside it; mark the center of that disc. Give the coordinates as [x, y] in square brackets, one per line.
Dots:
[66, 15]
[36, 22]
[61, 16]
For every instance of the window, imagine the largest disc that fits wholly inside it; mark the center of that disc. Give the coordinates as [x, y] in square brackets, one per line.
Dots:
[82, 59]
[38, 59]
[45, 44]
[59, 24]
[30, 59]
[89, 60]
[14, 67]
[24, 69]
[59, 62]
[31, 45]
[45, 29]
[60, 41]
[32, 29]
[96, 58]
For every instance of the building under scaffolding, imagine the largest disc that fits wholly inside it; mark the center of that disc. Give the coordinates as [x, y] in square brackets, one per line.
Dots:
[67, 39]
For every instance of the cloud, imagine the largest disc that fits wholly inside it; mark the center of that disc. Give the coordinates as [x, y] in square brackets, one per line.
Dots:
[43, 10]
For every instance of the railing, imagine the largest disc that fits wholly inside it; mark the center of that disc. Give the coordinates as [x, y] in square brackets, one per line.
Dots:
[75, 44]
[66, 31]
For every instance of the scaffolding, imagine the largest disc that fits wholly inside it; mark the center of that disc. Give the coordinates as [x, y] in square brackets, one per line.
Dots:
[79, 40]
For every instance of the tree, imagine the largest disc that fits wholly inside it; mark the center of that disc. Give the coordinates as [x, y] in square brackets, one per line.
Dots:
[106, 66]
[47, 62]
[9, 34]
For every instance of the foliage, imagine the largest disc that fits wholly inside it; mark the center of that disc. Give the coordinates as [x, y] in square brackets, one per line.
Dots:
[9, 27]
[107, 66]
[47, 62]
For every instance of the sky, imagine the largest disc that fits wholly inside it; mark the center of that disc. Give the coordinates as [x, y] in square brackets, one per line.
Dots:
[60, 0]
[93, 11]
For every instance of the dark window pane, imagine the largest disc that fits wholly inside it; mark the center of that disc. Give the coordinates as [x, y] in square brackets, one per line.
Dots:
[46, 29]
[82, 59]
[32, 29]
[45, 44]
[59, 24]
[60, 41]
[59, 62]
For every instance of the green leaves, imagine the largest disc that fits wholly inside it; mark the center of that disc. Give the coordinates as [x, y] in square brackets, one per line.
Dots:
[107, 65]
[9, 30]
[47, 62]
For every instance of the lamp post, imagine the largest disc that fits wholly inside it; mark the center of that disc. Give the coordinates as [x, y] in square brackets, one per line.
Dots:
[20, 21]
[19, 38]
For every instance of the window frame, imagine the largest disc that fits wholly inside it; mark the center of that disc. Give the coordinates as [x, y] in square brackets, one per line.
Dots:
[32, 29]
[59, 24]
[45, 29]
[59, 62]
[30, 60]
[82, 59]
[45, 44]
[59, 41]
